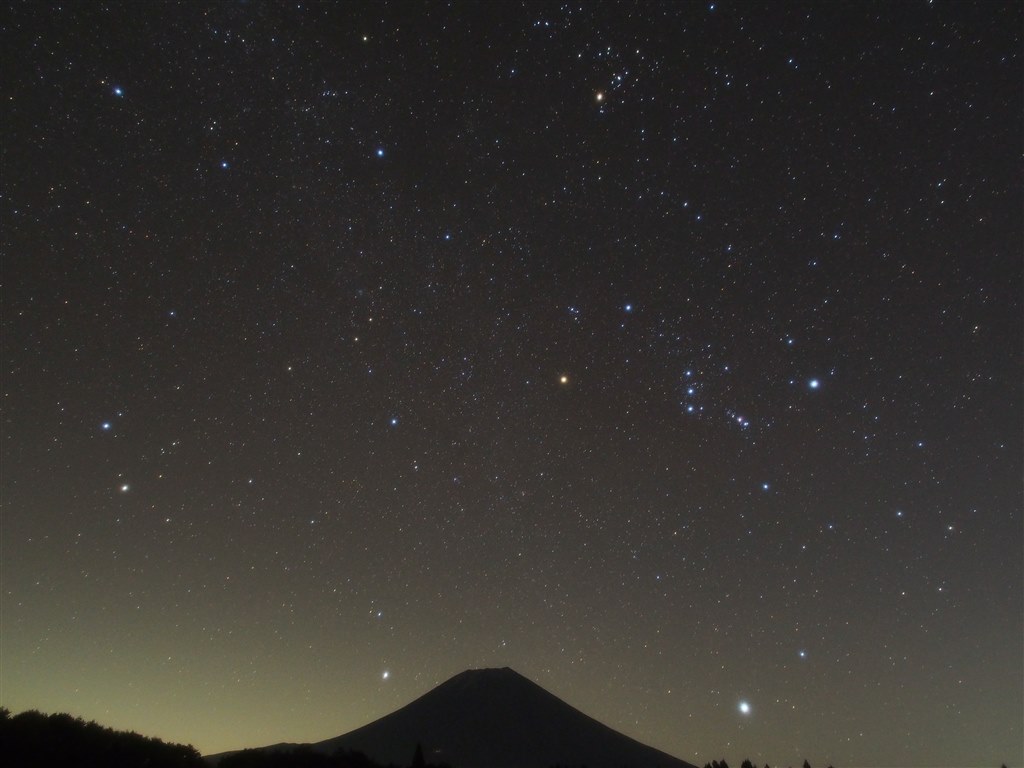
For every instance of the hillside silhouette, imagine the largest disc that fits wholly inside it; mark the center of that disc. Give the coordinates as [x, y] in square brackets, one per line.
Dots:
[36, 740]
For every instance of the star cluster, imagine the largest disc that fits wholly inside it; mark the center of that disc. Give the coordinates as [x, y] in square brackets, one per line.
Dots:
[668, 353]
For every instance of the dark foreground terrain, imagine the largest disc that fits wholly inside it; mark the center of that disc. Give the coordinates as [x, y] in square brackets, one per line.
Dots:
[36, 740]
[33, 739]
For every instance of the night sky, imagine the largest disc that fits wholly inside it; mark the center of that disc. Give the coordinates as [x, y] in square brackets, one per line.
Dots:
[669, 354]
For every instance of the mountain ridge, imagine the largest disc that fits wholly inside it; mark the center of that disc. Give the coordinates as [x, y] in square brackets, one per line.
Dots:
[495, 717]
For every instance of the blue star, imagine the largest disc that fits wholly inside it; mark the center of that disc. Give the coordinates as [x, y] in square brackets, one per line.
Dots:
[628, 307]
[380, 151]
[224, 164]
[813, 383]
[118, 91]
[394, 422]
[105, 426]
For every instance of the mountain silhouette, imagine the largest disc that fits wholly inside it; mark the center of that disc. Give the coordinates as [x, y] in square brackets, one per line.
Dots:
[496, 718]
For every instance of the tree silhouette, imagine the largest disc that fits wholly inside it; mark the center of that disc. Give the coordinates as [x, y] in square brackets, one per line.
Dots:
[32, 738]
[417, 758]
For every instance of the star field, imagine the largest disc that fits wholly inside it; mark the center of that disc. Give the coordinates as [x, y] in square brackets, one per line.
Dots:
[667, 353]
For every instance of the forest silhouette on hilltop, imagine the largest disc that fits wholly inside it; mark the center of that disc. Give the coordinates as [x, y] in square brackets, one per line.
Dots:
[35, 740]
